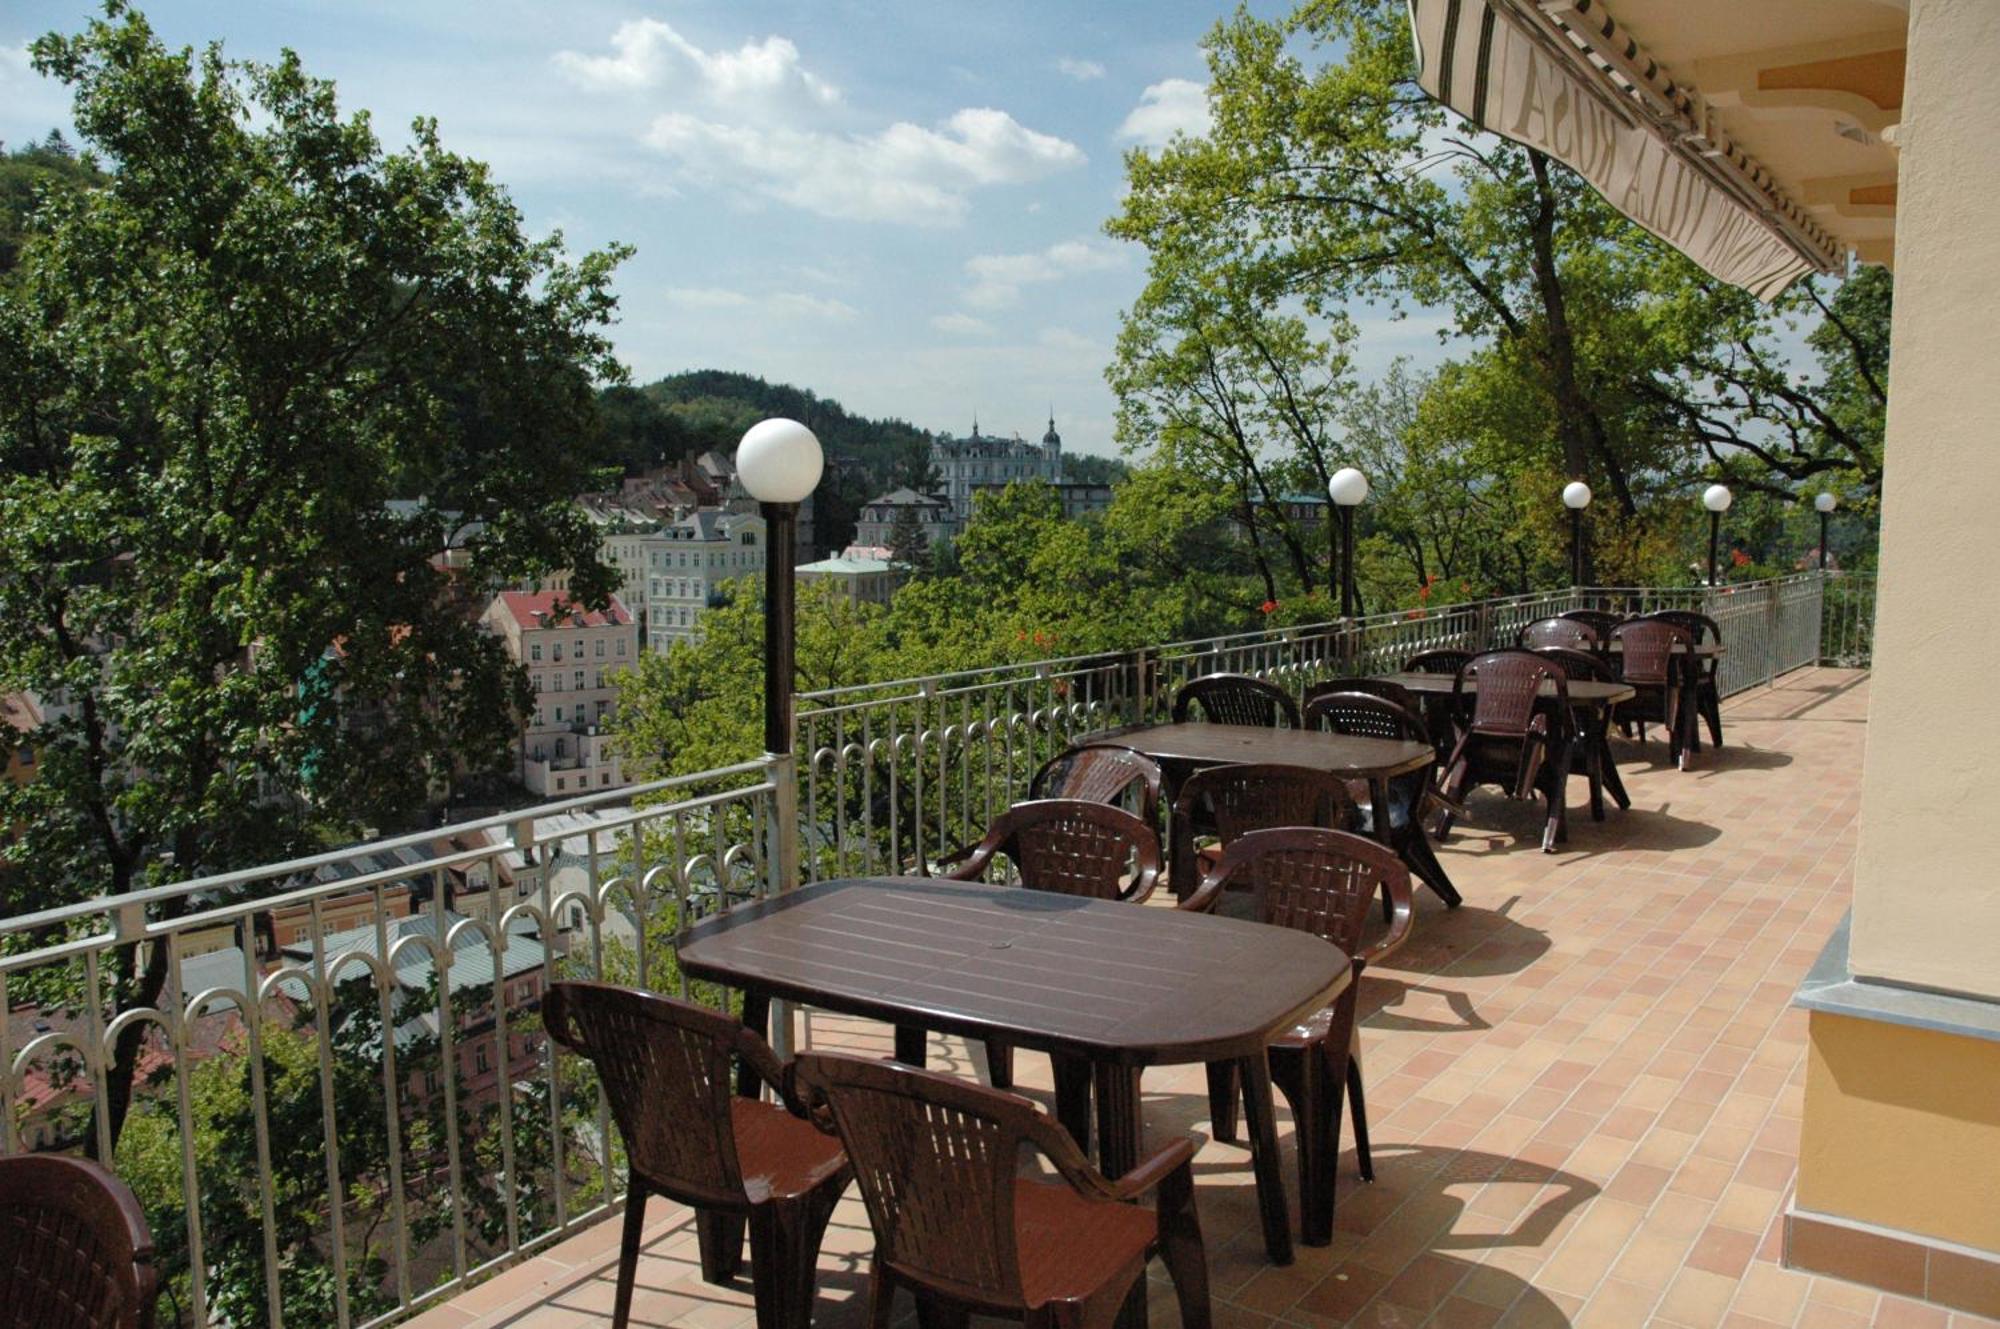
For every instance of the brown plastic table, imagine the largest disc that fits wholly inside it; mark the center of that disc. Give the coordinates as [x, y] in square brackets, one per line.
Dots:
[1190, 745]
[1591, 699]
[1110, 987]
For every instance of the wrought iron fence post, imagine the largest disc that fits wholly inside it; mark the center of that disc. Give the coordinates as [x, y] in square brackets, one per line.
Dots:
[1771, 647]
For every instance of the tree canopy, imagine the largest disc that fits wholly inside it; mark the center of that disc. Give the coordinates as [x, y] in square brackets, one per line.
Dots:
[252, 384]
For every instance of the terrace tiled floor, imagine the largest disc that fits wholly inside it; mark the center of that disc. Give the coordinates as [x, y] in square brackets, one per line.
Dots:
[1584, 1085]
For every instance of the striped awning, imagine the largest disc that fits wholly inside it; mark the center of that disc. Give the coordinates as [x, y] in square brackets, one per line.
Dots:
[1561, 76]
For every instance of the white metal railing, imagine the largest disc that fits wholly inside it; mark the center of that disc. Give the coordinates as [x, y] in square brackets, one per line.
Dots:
[345, 1109]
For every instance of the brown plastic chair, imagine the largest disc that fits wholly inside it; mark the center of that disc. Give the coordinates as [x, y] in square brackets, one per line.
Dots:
[75, 1252]
[1229, 801]
[1569, 633]
[939, 1160]
[1068, 847]
[1701, 628]
[1102, 773]
[1510, 736]
[1320, 882]
[1411, 797]
[1108, 773]
[1235, 699]
[1601, 620]
[1071, 847]
[666, 1069]
[1446, 661]
[1650, 660]
[1374, 687]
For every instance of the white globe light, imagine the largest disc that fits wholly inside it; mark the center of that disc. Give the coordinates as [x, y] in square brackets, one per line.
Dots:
[1347, 487]
[1717, 498]
[1576, 494]
[779, 461]
[1825, 502]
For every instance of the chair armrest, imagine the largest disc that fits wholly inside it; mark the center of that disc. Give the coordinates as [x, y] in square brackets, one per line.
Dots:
[970, 864]
[1400, 919]
[1155, 1168]
[1205, 896]
[764, 1063]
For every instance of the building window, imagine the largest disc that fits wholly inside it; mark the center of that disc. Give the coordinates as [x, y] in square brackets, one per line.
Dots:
[621, 646]
[600, 648]
[535, 651]
[559, 715]
[538, 682]
[579, 648]
[481, 1063]
[559, 784]
[579, 680]
[605, 778]
[558, 652]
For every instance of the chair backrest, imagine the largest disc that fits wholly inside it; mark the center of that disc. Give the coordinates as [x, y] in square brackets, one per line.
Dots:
[1646, 649]
[1318, 881]
[1437, 662]
[1699, 627]
[1569, 633]
[1070, 847]
[75, 1252]
[935, 1159]
[1580, 664]
[1235, 699]
[1374, 687]
[1102, 773]
[1365, 715]
[1510, 686]
[665, 1065]
[1603, 620]
[1235, 800]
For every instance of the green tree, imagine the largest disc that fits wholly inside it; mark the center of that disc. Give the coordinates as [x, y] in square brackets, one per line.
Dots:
[216, 371]
[26, 174]
[909, 547]
[1329, 181]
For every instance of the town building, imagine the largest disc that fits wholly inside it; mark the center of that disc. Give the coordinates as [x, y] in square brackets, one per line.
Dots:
[1078, 500]
[572, 656]
[862, 580]
[876, 526]
[962, 464]
[686, 564]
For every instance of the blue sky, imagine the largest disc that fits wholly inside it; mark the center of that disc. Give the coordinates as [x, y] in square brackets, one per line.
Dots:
[897, 205]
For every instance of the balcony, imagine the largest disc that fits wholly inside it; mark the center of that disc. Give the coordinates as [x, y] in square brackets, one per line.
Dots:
[1585, 1084]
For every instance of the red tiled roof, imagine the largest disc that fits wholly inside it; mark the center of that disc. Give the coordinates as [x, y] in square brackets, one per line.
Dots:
[561, 611]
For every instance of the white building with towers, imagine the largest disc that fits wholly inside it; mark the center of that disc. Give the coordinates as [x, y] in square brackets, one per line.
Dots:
[965, 465]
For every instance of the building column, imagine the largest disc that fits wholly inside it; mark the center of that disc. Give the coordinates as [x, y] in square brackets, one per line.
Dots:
[1899, 1160]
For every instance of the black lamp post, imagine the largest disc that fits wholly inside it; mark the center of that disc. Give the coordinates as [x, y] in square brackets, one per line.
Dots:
[1716, 498]
[1347, 488]
[779, 462]
[1576, 497]
[1825, 504]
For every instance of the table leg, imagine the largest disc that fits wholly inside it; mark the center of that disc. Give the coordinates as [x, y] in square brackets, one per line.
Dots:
[1378, 794]
[1589, 740]
[1261, 1123]
[757, 1019]
[1072, 1077]
[1120, 1140]
[912, 1044]
[1614, 784]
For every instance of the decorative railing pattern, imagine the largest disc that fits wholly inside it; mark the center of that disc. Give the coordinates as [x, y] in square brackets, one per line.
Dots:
[451, 1145]
[346, 1111]
[893, 775]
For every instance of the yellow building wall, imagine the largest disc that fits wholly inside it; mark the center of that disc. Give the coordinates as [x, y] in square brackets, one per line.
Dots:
[1902, 1129]
[1926, 911]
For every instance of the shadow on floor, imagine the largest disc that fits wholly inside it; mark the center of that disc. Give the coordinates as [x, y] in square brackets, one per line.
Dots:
[1471, 941]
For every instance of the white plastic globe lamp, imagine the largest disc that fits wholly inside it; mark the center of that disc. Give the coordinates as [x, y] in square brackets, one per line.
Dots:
[1826, 502]
[1347, 487]
[1717, 498]
[1576, 495]
[779, 461]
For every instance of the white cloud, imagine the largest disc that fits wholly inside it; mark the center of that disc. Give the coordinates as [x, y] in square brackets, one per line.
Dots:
[1083, 71]
[961, 325]
[788, 305]
[997, 279]
[1172, 106]
[647, 53]
[905, 173]
[1062, 339]
[754, 119]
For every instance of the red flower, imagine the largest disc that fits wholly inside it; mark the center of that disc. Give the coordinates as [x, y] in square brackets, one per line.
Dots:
[1739, 558]
[1269, 606]
[1414, 613]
